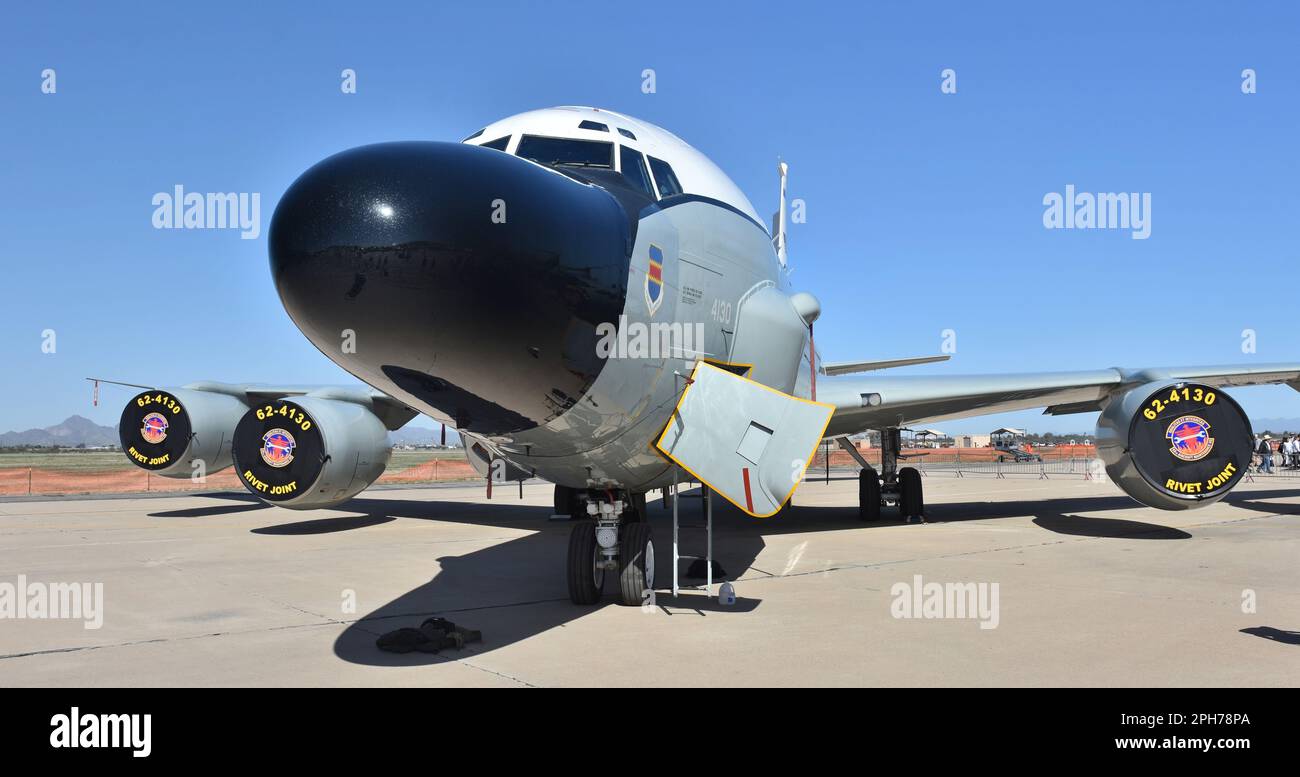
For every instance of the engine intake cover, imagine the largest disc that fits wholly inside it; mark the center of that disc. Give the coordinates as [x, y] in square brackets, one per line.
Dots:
[167, 430]
[309, 452]
[1175, 445]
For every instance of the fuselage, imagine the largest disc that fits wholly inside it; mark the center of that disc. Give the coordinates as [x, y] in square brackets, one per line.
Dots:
[545, 287]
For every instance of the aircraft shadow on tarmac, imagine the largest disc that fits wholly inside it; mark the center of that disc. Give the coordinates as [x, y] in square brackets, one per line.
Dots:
[325, 525]
[1277, 635]
[515, 589]
[486, 588]
[244, 503]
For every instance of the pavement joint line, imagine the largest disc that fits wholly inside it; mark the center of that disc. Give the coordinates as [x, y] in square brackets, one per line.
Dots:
[358, 622]
[511, 678]
[240, 535]
[162, 640]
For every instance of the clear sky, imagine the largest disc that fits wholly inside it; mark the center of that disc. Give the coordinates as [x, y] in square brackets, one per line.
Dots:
[924, 209]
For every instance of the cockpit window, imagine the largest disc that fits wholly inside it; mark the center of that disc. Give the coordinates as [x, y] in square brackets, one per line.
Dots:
[565, 152]
[626, 133]
[634, 169]
[593, 125]
[665, 178]
[499, 144]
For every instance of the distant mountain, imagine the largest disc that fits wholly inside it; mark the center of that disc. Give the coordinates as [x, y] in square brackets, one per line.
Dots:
[75, 431]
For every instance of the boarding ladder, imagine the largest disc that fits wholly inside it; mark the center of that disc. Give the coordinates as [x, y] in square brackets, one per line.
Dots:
[706, 494]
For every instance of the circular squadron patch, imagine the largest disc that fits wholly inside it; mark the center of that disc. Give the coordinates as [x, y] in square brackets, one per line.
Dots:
[277, 448]
[153, 428]
[1189, 438]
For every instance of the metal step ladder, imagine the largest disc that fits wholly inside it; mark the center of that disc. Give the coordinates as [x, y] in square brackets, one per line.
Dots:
[706, 494]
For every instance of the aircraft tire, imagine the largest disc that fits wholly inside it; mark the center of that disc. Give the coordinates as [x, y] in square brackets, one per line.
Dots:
[868, 495]
[584, 583]
[635, 563]
[911, 501]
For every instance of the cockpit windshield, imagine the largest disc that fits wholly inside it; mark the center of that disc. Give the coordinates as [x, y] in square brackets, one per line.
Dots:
[566, 152]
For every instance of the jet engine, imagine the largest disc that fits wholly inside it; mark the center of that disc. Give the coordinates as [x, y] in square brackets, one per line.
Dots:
[167, 430]
[1174, 445]
[310, 451]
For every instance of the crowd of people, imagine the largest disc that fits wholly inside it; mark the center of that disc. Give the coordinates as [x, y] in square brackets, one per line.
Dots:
[1271, 455]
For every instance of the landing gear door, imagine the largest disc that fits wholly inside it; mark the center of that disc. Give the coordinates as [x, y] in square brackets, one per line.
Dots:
[747, 442]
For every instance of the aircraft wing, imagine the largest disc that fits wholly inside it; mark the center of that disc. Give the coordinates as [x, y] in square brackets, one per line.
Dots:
[877, 402]
[394, 413]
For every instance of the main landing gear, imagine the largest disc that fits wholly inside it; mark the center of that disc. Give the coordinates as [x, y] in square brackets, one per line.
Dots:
[893, 486]
[610, 535]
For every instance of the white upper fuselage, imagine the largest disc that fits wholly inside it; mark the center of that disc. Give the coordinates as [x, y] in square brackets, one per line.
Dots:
[697, 174]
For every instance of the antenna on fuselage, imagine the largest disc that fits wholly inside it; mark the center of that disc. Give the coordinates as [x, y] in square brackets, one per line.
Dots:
[778, 219]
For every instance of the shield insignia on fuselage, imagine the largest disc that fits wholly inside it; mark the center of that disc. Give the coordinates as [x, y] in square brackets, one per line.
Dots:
[654, 280]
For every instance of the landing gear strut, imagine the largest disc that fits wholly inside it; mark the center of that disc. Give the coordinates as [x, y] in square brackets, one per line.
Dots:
[616, 539]
[893, 486]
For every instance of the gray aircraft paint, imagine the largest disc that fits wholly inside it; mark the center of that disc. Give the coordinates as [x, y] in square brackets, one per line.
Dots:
[610, 432]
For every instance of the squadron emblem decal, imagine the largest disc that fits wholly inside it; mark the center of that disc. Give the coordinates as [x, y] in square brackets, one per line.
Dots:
[654, 279]
[1189, 438]
[154, 428]
[277, 448]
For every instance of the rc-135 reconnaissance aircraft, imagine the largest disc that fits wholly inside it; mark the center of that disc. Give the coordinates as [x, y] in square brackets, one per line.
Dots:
[588, 299]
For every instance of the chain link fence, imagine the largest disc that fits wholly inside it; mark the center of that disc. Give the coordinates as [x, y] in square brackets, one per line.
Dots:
[64, 475]
[1079, 461]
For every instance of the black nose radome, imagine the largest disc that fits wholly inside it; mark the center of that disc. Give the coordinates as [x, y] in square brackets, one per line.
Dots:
[453, 276]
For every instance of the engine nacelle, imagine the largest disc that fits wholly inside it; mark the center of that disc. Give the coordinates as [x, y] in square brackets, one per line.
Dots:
[1175, 444]
[311, 451]
[167, 430]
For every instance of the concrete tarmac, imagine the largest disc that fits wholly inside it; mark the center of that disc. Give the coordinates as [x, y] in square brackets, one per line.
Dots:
[1091, 590]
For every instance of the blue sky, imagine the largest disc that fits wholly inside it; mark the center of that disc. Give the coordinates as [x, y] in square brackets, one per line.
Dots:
[924, 209]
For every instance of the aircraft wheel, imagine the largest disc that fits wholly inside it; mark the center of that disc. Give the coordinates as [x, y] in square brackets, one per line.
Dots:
[868, 495]
[586, 579]
[636, 563]
[911, 502]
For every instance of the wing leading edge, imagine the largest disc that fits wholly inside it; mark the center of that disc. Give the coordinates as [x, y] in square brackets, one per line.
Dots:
[878, 402]
[393, 413]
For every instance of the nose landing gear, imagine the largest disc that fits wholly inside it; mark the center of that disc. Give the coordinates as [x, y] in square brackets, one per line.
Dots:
[615, 538]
